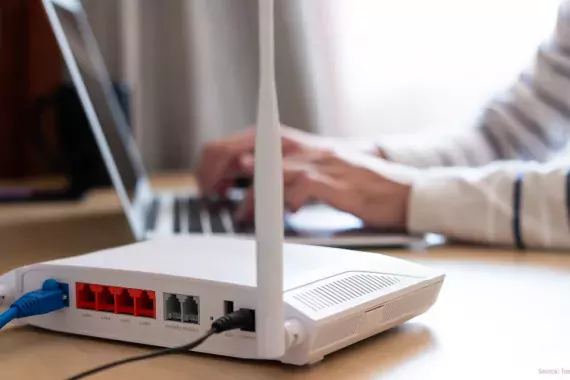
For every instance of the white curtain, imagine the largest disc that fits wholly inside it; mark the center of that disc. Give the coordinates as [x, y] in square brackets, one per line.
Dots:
[405, 66]
[192, 66]
[344, 67]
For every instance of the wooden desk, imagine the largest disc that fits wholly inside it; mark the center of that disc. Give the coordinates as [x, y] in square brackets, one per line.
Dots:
[501, 315]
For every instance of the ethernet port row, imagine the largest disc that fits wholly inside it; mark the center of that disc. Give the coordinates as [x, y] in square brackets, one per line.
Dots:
[181, 308]
[114, 299]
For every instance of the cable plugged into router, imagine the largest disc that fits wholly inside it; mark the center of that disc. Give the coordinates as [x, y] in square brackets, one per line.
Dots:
[241, 319]
[51, 297]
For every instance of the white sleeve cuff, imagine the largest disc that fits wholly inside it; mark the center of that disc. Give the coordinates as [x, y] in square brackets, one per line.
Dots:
[468, 205]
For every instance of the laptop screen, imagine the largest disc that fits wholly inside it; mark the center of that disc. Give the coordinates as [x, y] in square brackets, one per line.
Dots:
[108, 112]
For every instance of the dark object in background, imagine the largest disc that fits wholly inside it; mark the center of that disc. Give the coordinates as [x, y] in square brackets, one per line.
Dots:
[30, 67]
[243, 182]
[76, 155]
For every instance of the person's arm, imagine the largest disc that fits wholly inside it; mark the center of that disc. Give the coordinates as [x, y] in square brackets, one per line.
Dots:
[530, 122]
[520, 204]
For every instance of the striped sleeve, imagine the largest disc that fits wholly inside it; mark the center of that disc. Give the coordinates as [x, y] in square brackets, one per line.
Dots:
[516, 204]
[529, 122]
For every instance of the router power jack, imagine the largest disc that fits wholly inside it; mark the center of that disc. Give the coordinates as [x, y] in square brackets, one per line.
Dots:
[251, 325]
[243, 319]
[229, 309]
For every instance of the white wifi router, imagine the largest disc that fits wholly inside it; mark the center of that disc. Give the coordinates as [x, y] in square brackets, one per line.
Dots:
[327, 299]
[308, 301]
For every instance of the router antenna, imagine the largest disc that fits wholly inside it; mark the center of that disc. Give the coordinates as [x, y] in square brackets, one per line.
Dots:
[268, 189]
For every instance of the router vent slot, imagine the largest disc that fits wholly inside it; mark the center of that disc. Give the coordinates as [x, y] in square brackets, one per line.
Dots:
[344, 290]
[337, 332]
[409, 304]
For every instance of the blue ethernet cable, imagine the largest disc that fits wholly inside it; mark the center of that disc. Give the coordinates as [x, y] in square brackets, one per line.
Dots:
[51, 297]
[8, 316]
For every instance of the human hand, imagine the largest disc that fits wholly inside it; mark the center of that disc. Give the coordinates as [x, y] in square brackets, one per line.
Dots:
[224, 160]
[370, 188]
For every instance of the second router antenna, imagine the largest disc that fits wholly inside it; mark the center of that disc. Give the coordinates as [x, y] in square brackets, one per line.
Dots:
[268, 190]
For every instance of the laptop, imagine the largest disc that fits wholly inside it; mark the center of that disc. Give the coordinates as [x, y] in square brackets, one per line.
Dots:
[151, 213]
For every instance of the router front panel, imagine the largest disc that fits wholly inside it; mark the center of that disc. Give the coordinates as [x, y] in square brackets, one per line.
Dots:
[338, 333]
[354, 305]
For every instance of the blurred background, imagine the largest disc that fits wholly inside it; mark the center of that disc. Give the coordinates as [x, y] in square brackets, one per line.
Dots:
[362, 68]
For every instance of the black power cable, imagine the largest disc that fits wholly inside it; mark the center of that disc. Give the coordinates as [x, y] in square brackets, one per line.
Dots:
[242, 318]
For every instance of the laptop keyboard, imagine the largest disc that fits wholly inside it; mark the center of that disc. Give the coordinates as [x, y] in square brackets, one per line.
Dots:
[216, 211]
[199, 215]
[194, 217]
[176, 222]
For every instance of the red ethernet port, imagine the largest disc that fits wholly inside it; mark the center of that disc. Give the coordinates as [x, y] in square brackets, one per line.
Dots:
[104, 300]
[124, 302]
[145, 305]
[85, 297]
